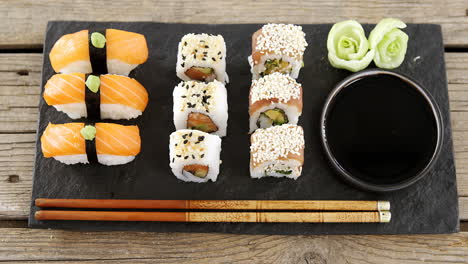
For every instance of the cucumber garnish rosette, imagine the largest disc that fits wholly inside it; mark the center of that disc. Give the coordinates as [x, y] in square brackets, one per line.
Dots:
[389, 42]
[348, 47]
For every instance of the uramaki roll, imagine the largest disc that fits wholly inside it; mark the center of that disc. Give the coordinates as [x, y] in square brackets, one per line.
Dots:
[202, 57]
[277, 151]
[275, 99]
[194, 155]
[201, 106]
[277, 48]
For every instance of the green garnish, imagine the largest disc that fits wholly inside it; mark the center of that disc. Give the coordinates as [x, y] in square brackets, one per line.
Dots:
[93, 82]
[88, 132]
[284, 172]
[276, 65]
[200, 127]
[98, 40]
[205, 70]
[348, 47]
[389, 42]
[272, 117]
[277, 116]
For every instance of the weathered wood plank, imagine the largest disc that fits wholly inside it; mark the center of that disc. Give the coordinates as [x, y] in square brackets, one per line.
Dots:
[18, 114]
[38, 246]
[25, 21]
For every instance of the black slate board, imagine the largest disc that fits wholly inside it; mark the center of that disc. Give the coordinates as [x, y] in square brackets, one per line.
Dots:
[429, 206]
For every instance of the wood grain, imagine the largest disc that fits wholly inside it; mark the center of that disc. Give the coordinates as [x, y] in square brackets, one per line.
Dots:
[17, 148]
[217, 217]
[25, 27]
[20, 245]
[292, 205]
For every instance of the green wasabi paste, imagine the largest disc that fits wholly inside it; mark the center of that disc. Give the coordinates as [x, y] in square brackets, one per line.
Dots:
[98, 40]
[88, 132]
[93, 82]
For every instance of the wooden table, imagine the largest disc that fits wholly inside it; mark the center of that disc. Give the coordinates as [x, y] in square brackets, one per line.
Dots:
[21, 36]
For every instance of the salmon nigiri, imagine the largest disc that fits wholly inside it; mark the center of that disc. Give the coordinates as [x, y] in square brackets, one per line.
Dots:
[121, 97]
[124, 50]
[114, 144]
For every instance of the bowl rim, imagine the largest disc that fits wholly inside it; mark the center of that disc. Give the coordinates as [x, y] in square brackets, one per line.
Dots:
[348, 176]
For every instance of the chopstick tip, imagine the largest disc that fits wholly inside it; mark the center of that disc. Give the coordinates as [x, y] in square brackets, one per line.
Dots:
[385, 216]
[383, 206]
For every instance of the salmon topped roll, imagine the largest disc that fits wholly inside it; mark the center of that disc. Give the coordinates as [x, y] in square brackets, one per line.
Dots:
[106, 96]
[277, 151]
[201, 106]
[274, 100]
[110, 51]
[194, 155]
[108, 144]
[202, 57]
[277, 48]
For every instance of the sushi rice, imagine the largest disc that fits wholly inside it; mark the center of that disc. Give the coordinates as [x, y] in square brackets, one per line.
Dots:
[192, 147]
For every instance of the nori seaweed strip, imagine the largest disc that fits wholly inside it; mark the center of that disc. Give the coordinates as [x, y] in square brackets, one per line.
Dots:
[97, 56]
[91, 148]
[93, 102]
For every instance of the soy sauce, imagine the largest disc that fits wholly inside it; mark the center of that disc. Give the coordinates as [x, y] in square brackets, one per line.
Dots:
[381, 130]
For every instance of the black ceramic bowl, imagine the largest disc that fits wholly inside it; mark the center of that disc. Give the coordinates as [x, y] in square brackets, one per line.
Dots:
[381, 130]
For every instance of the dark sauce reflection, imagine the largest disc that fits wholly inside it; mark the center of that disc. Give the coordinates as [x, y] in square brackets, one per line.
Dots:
[381, 130]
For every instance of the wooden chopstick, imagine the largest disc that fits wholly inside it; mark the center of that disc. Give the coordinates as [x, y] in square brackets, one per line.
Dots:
[255, 217]
[298, 205]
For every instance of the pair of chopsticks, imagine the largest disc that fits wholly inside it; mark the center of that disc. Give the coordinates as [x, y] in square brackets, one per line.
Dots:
[322, 211]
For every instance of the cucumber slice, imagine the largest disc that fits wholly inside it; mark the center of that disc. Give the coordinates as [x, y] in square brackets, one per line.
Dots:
[348, 47]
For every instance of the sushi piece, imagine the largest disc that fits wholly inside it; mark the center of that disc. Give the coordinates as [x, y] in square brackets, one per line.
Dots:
[274, 100]
[202, 57]
[194, 155]
[277, 151]
[106, 96]
[201, 106]
[277, 48]
[110, 51]
[108, 144]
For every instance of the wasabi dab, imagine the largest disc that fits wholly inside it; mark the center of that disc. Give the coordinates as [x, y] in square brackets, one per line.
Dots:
[93, 82]
[88, 132]
[98, 40]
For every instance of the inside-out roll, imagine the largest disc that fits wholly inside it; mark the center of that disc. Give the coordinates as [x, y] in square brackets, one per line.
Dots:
[194, 155]
[201, 106]
[277, 48]
[202, 57]
[277, 151]
[109, 144]
[275, 99]
[102, 97]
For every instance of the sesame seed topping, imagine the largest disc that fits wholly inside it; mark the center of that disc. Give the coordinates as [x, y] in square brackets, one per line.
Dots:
[276, 142]
[198, 96]
[282, 39]
[275, 85]
[198, 46]
[192, 146]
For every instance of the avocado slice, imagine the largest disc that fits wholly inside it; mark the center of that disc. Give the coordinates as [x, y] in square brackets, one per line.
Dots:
[285, 172]
[272, 117]
[205, 70]
[277, 115]
[199, 171]
[276, 65]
